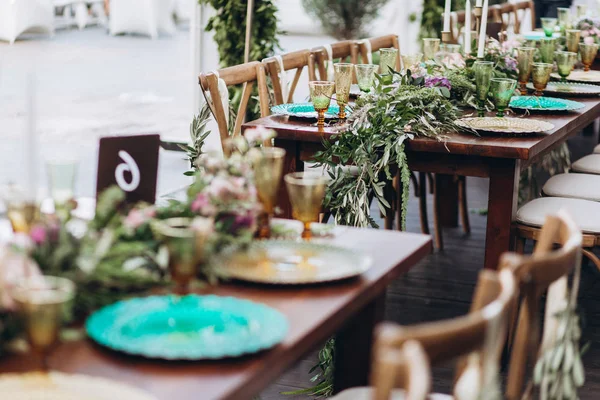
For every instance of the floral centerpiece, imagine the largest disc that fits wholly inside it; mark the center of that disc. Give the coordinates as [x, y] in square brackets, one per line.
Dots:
[590, 29]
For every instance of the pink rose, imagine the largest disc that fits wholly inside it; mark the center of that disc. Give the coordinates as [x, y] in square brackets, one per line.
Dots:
[588, 40]
[585, 33]
[138, 217]
[38, 234]
[203, 206]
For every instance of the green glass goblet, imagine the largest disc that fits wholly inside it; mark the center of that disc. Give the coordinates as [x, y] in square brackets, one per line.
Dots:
[365, 76]
[549, 25]
[343, 81]
[564, 18]
[588, 54]
[321, 93]
[387, 60]
[540, 75]
[502, 90]
[547, 49]
[524, 61]
[430, 47]
[572, 37]
[483, 75]
[565, 60]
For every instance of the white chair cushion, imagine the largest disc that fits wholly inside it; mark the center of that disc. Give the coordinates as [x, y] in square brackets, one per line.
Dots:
[578, 186]
[588, 164]
[585, 213]
[366, 393]
[597, 149]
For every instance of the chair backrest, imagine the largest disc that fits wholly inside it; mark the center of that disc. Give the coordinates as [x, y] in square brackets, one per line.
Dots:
[246, 75]
[546, 270]
[406, 366]
[319, 57]
[503, 13]
[480, 335]
[457, 24]
[367, 47]
[521, 8]
[295, 60]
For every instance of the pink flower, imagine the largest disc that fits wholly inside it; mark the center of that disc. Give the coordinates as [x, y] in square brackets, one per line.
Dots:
[14, 266]
[138, 217]
[38, 234]
[588, 40]
[585, 34]
[202, 205]
[258, 135]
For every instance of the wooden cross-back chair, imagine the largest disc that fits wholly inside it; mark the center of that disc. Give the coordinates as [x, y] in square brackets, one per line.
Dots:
[476, 339]
[346, 51]
[367, 47]
[457, 24]
[503, 14]
[296, 60]
[246, 75]
[546, 271]
[520, 12]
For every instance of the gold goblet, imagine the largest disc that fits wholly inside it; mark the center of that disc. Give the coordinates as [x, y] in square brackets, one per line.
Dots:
[430, 47]
[588, 54]
[411, 60]
[43, 302]
[320, 95]
[387, 60]
[306, 191]
[180, 240]
[524, 62]
[268, 167]
[22, 210]
[540, 75]
[572, 37]
[343, 81]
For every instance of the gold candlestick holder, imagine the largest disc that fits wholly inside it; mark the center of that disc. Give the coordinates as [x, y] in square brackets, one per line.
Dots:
[446, 37]
[477, 12]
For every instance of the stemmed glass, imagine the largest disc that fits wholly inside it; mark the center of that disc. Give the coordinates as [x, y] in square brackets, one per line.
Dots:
[483, 75]
[306, 191]
[565, 60]
[572, 37]
[180, 240]
[547, 49]
[61, 183]
[268, 168]
[524, 61]
[540, 75]
[343, 81]
[387, 60]
[564, 18]
[430, 47]
[588, 54]
[411, 60]
[502, 90]
[365, 76]
[43, 302]
[21, 211]
[549, 25]
[320, 95]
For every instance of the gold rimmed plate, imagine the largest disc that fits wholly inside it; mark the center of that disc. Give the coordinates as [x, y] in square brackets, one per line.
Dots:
[514, 126]
[569, 89]
[287, 262]
[580, 75]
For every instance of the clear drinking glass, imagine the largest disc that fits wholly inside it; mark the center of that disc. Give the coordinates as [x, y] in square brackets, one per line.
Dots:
[588, 54]
[306, 191]
[43, 302]
[365, 76]
[580, 10]
[411, 60]
[321, 93]
[268, 168]
[572, 37]
[524, 61]
[540, 75]
[565, 60]
[343, 81]
[502, 90]
[549, 26]
[564, 18]
[61, 179]
[387, 60]
[430, 47]
[547, 49]
[483, 75]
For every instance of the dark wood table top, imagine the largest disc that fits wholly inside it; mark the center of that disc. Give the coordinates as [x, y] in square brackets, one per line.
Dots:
[517, 147]
[315, 313]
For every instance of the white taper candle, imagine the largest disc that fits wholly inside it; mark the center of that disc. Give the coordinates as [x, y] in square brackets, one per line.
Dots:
[467, 44]
[482, 35]
[447, 16]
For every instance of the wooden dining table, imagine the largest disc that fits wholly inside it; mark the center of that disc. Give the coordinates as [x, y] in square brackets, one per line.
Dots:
[497, 157]
[348, 309]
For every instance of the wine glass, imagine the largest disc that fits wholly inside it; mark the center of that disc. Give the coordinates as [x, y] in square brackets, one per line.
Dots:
[547, 49]
[43, 302]
[365, 76]
[483, 75]
[411, 60]
[306, 191]
[588, 54]
[565, 60]
[320, 95]
[430, 47]
[180, 241]
[343, 81]
[387, 60]
[549, 25]
[564, 18]
[21, 210]
[502, 90]
[524, 61]
[268, 167]
[540, 75]
[572, 37]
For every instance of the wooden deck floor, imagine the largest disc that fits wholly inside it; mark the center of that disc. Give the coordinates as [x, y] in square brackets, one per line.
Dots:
[441, 286]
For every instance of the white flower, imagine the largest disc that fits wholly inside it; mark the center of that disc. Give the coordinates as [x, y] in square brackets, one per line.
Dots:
[258, 135]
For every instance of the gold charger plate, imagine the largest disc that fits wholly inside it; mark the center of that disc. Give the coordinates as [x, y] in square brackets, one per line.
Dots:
[580, 75]
[292, 263]
[505, 125]
[60, 386]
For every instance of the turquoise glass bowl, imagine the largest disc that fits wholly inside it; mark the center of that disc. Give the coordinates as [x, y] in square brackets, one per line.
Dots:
[535, 103]
[191, 327]
[307, 110]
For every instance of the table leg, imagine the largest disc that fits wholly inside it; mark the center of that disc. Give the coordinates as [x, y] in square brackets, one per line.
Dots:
[353, 346]
[446, 187]
[291, 163]
[502, 207]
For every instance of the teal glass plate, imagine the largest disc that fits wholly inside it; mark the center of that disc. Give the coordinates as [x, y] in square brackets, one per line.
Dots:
[307, 110]
[191, 327]
[569, 89]
[537, 35]
[535, 103]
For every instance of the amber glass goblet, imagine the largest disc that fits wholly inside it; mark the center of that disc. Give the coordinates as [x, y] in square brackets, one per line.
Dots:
[343, 81]
[43, 302]
[22, 211]
[306, 191]
[547, 49]
[502, 90]
[365, 76]
[268, 168]
[524, 62]
[540, 75]
[483, 75]
[430, 47]
[180, 241]
[549, 25]
[588, 54]
[320, 95]
[572, 37]
[387, 60]
[565, 60]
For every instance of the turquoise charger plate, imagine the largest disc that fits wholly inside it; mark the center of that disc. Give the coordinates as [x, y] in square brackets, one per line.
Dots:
[537, 35]
[535, 103]
[191, 327]
[307, 110]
